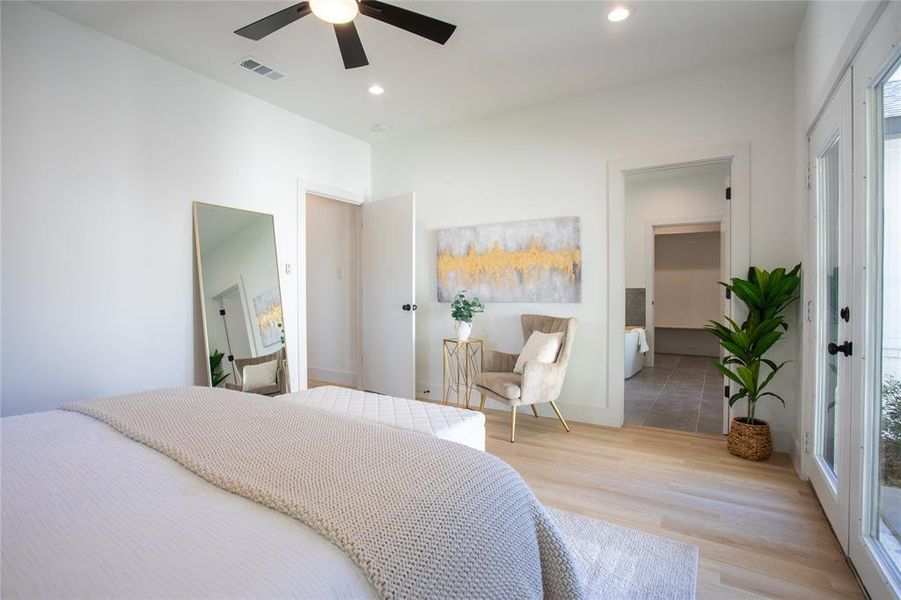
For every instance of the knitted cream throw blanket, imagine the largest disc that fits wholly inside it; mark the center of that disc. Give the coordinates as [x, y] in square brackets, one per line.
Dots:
[422, 517]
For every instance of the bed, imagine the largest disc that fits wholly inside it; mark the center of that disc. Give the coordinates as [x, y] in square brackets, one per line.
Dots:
[88, 512]
[361, 510]
[210, 493]
[446, 422]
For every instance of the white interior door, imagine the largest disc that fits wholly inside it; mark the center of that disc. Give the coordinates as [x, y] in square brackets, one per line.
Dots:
[388, 303]
[831, 299]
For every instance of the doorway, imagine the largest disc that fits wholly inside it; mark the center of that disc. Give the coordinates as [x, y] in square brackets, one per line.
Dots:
[676, 222]
[229, 329]
[333, 291]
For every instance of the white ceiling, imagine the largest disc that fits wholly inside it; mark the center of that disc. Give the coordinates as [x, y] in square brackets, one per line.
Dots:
[504, 54]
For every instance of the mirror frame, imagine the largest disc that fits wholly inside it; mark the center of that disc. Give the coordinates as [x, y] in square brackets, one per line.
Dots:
[198, 262]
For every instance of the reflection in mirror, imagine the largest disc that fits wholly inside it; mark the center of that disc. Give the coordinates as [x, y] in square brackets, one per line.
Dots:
[242, 305]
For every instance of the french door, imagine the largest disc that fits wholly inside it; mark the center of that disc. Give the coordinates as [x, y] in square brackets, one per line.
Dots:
[829, 301]
[875, 536]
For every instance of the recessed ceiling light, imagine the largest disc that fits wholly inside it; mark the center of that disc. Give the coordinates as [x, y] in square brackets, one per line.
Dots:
[380, 128]
[335, 11]
[376, 90]
[618, 14]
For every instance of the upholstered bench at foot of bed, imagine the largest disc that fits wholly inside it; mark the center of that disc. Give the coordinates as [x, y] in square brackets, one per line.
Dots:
[446, 422]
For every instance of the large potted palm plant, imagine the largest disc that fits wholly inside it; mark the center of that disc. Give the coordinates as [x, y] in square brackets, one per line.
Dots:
[767, 295]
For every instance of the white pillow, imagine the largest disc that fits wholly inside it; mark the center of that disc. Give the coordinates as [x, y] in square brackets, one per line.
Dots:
[258, 377]
[541, 347]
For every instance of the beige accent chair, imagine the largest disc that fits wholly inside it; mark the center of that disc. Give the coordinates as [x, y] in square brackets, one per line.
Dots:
[539, 382]
[282, 384]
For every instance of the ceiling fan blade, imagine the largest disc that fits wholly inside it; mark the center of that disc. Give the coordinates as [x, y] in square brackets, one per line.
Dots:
[351, 47]
[260, 29]
[421, 25]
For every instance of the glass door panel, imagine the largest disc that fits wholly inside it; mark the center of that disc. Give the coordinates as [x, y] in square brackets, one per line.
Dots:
[828, 168]
[887, 328]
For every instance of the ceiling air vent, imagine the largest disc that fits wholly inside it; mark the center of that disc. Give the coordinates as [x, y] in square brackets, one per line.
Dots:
[260, 69]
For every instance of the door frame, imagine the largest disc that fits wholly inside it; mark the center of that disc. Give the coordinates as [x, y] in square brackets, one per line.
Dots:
[739, 157]
[245, 309]
[304, 187]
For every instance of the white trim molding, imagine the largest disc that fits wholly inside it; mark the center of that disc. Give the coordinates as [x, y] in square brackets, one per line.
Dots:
[304, 187]
[738, 155]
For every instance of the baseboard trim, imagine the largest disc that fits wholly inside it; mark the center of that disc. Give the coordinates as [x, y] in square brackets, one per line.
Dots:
[579, 413]
[332, 376]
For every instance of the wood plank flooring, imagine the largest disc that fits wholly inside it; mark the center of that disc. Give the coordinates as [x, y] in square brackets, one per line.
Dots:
[760, 530]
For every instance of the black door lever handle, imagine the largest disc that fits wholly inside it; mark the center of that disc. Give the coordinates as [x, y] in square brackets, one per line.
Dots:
[844, 348]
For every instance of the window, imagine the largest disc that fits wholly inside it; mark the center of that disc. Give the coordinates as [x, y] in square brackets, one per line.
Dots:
[887, 387]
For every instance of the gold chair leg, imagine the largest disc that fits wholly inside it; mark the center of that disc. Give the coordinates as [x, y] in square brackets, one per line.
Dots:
[559, 416]
[482, 402]
[534, 410]
[512, 424]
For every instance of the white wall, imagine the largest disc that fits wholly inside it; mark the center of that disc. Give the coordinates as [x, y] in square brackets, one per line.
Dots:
[823, 46]
[686, 275]
[684, 193]
[551, 160]
[105, 148]
[332, 287]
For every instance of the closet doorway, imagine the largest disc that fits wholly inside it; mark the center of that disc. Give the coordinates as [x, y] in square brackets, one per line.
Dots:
[677, 252]
[333, 291]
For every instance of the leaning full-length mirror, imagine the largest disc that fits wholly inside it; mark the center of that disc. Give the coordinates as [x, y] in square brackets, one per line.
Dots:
[242, 305]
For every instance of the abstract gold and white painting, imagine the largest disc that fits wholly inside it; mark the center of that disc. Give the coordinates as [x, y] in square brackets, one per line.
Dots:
[268, 309]
[524, 261]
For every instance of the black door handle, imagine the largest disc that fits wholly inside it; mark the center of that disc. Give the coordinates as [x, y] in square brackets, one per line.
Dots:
[409, 307]
[844, 348]
[845, 314]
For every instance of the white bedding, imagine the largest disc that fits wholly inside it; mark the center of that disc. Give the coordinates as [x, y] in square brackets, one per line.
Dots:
[446, 422]
[89, 512]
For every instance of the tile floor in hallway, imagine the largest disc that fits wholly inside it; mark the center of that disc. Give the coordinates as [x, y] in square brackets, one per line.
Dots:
[679, 392]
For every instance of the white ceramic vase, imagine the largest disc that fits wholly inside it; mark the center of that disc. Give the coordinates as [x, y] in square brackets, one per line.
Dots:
[463, 329]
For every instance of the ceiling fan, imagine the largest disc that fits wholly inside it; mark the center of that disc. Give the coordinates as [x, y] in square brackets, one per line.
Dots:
[341, 14]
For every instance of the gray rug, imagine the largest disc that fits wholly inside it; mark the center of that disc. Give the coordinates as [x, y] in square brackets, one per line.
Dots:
[625, 563]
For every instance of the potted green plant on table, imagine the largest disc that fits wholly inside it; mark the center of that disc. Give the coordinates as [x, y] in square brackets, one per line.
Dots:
[767, 295]
[463, 311]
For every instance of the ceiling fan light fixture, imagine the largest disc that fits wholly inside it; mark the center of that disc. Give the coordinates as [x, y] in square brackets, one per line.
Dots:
[618, 14]
[335, 11]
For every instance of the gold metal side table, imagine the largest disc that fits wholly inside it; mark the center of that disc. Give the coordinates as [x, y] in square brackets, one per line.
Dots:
[462, 362]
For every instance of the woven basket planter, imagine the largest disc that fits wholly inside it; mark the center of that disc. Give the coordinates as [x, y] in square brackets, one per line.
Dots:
[752, 442]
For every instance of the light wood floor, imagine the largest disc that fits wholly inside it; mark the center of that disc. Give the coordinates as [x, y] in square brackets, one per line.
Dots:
[759, 528]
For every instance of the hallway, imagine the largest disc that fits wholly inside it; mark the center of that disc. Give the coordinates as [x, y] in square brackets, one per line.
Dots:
[684, 393]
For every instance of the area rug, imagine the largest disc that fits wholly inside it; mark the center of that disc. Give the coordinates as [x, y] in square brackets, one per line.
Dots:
[618, 562]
